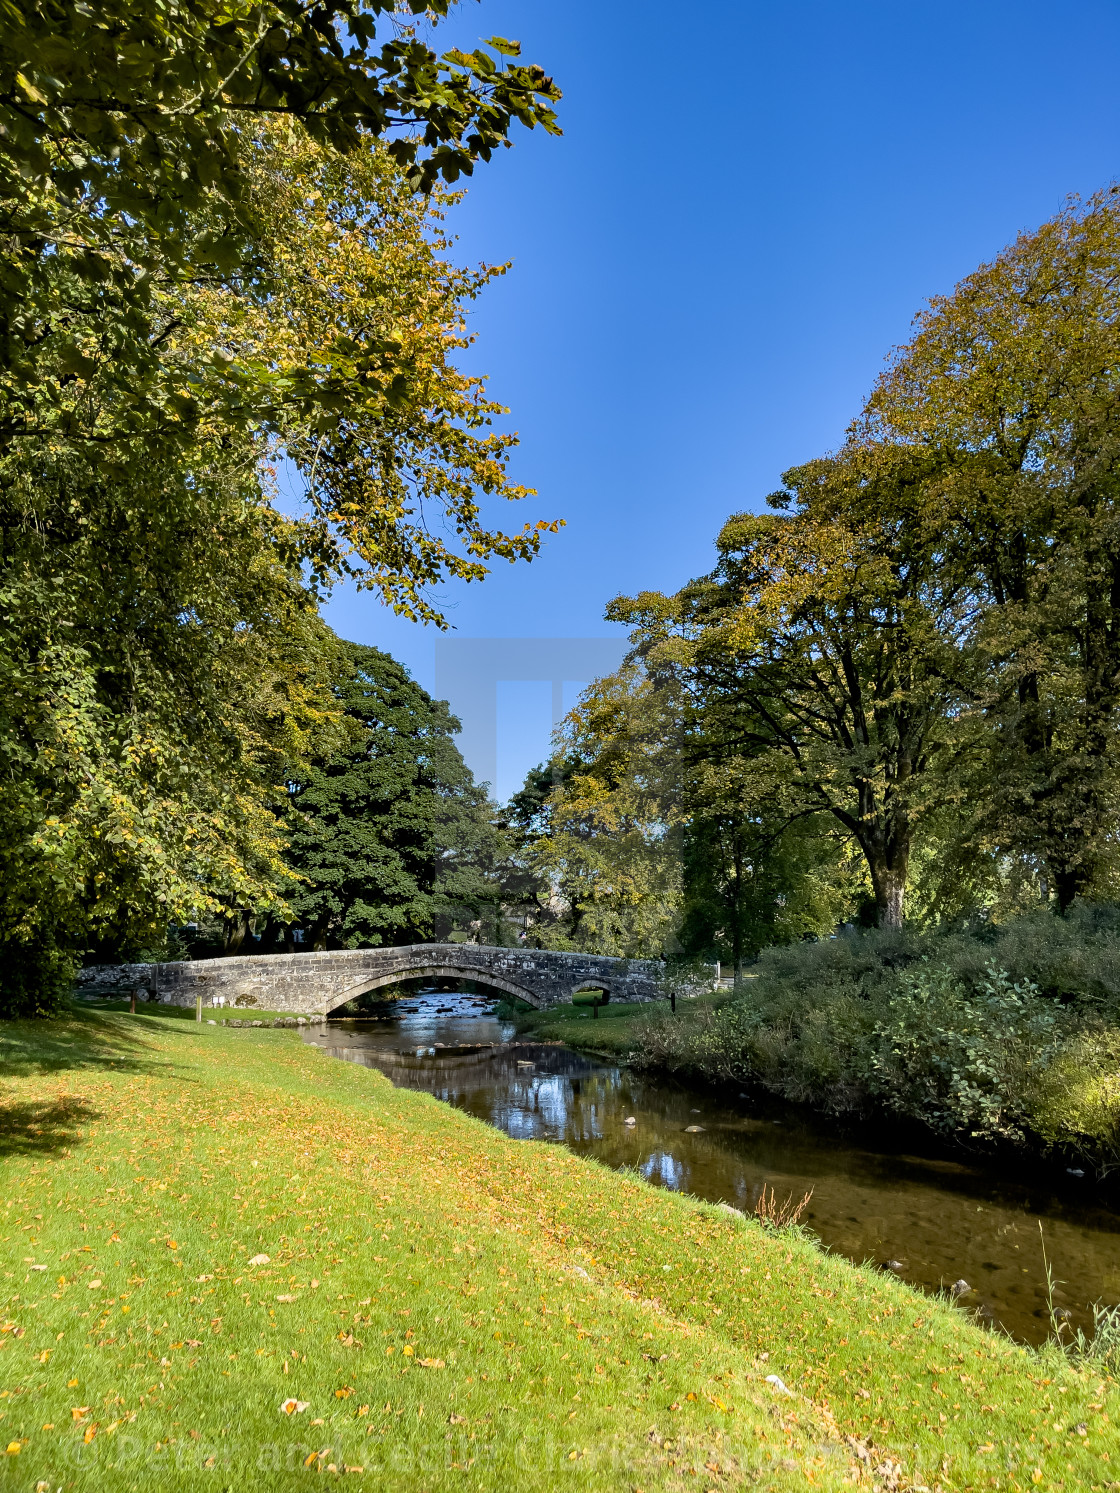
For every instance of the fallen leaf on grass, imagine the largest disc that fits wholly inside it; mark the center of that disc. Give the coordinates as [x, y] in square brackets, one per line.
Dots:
[14, 1448]
[79, 1412]
[93, 1285]
[193, 1342]
[431, 1363]
[260, 1260]
[38, 1267]
[456, 1420]
[294, 1407]
[285, 1298]
[91, 1432]
[343, 1394]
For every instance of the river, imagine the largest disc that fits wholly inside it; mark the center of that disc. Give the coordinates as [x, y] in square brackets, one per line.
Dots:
[932, 1216]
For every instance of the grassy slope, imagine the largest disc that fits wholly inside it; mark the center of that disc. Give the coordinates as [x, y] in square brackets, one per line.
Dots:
[568, 1326]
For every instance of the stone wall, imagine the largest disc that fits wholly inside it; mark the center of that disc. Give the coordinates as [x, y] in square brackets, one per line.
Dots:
[314, 983]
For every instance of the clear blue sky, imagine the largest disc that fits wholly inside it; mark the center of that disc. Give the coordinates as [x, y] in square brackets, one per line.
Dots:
[748, 205]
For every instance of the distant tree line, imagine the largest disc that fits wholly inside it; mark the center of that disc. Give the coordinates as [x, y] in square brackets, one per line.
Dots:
[896, 694]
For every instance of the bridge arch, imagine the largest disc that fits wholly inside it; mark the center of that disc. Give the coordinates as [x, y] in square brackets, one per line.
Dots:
[589, 987]
[432, 969]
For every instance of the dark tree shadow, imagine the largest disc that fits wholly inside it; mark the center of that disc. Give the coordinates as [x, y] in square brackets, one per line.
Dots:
[32, 1128]
[75, 1040]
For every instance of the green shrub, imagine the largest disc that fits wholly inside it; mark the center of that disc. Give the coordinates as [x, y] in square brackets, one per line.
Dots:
[34, 981]
[991, 1034]
[965, 1060]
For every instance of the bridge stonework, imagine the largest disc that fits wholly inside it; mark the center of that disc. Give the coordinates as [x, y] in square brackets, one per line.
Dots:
[313, 984]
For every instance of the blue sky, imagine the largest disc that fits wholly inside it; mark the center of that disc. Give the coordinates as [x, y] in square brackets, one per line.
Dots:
[748, 205]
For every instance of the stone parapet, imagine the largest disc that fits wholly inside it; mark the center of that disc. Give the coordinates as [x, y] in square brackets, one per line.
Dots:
[315, 983]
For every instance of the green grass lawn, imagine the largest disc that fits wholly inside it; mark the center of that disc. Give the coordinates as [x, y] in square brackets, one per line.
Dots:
[613, 1032]
[453, 1309]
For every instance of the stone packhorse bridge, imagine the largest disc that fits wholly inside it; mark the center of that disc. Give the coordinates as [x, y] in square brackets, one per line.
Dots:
[315, 984]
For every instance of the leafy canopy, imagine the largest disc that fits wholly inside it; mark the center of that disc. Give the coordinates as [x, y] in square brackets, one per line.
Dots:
[390, 836]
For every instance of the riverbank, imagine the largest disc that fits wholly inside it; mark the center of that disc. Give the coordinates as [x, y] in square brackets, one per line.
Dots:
[615, 1032]
[445, 1301]
[999, 1037]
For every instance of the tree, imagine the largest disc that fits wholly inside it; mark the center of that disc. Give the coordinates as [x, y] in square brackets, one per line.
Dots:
[643, 837]
[837, 647]
[364, 317]
[129, 133]
[392, 839]
[602, 834]
[159, 661]
[162, 660]
[1009, 390]
[750, 877]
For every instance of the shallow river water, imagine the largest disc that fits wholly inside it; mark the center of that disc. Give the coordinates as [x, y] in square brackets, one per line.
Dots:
[939, 1218]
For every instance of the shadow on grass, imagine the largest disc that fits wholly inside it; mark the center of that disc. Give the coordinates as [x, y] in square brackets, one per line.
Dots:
[32, 1128]
[73, 1040]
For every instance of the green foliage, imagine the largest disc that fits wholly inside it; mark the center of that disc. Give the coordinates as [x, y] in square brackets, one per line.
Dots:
[129, 134]
[1008, 390]
[364, 317]
[162, 665]
[989, 1034]
[599, 828]
[159, 661]
[391, 839]
[920, 642]
[821, 661]
[35, 978]
[646, 834]
[965, 1060]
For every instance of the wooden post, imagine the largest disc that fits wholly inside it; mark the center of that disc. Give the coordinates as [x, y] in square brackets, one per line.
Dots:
[198, 1008]
[132, 1007]
[672, 1000]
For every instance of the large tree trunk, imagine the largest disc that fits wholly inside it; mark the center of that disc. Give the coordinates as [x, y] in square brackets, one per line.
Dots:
[884, 835]
[236, 929]
[890, 894]
[888, 860]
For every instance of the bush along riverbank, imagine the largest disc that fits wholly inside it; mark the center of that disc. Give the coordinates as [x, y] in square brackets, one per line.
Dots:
[994, 1036]
[230, 1258]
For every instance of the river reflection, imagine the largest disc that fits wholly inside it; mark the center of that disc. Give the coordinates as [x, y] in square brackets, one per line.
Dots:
[938, 1218]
